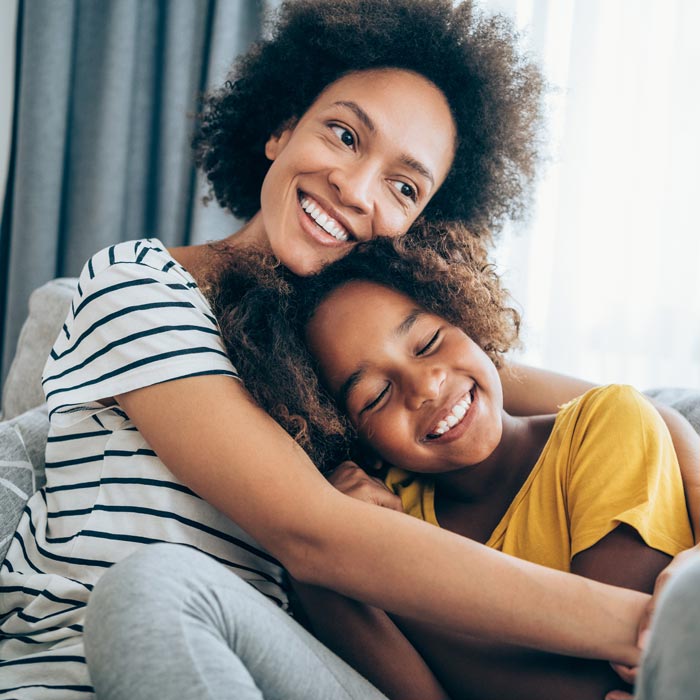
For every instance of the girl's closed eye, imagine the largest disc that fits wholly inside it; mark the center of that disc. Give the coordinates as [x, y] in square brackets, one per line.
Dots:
[344, 135]
[375, 402]
[435, 337]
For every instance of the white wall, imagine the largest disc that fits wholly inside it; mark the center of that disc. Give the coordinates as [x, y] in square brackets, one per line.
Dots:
[8, 26]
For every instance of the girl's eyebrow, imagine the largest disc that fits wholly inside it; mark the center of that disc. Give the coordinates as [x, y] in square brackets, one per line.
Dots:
[408, 160]
[353, 380]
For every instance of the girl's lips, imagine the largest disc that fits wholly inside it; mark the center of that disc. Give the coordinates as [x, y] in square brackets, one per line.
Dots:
[459, 429]
[316, 232]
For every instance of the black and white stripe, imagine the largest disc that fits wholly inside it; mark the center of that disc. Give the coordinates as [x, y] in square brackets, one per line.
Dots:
[137, 319]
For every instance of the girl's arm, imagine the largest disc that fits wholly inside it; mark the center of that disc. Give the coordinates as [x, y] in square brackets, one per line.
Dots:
[370, 642]
[529, 391]
[215, 439]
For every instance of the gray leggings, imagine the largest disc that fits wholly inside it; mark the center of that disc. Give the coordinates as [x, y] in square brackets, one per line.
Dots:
[670, 665]
[169, 622]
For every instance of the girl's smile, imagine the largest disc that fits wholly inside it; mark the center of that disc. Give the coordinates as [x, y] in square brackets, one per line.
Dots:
[419, 391]
[363, 161]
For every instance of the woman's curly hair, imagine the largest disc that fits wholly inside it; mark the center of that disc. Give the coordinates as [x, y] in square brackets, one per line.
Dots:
[493, 89]
[263, 310]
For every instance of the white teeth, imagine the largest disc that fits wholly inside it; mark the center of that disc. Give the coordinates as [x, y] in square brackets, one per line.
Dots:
[327, 223]
[459, 410]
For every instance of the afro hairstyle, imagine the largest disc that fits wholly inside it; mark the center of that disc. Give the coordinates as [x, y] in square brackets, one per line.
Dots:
[493, 88]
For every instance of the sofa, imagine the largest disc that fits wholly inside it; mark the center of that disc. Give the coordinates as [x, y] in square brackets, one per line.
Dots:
[24, 421]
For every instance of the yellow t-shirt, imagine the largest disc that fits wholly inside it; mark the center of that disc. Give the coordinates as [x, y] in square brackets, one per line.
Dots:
[609, 460]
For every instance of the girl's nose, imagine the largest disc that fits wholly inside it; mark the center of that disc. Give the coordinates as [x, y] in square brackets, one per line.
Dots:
[423, 384]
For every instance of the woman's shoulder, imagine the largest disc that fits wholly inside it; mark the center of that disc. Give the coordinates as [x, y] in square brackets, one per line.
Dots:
[135, 258]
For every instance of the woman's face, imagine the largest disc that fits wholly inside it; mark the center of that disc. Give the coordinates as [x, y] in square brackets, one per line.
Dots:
[419, 391]
[363, 161]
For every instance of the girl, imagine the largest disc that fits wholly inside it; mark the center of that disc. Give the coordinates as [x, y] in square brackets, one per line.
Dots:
[406, 343]
[344, 126]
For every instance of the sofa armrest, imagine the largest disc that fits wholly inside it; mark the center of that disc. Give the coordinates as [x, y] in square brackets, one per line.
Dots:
[48, 308]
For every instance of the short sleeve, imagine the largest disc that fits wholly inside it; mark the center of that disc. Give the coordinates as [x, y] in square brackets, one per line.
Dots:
[623, 469]
[130, 325]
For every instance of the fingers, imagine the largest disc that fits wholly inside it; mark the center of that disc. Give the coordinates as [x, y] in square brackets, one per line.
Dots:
[618, 695]
[627, 673]
[349, 479]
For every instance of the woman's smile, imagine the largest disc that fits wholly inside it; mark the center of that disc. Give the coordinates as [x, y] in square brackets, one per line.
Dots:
[323, 222]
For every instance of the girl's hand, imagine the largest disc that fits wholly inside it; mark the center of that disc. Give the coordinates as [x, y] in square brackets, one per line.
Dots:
[629, 673]
[349, 479]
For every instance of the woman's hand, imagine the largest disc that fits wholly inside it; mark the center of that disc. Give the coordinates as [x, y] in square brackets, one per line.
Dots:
[349, 479]
[629, 673]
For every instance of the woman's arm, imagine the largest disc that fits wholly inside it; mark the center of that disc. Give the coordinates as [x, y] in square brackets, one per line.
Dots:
[213, 437]
[498, 671]
[370, 642]
[529, 391]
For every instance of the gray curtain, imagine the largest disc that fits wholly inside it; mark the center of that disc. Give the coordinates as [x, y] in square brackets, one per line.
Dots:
[105, 96]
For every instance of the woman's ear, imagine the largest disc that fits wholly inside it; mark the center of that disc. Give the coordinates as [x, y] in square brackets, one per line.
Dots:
[276, 143]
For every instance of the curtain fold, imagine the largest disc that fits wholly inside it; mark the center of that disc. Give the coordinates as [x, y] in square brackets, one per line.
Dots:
[106, 97]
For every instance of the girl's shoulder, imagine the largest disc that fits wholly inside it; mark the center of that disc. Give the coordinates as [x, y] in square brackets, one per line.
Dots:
[617, 403]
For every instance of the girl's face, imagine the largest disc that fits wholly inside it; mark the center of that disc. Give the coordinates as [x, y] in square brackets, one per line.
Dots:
[363, 161]
[419, 391]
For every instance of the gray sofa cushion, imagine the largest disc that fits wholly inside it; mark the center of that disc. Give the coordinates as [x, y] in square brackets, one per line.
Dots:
[48, 308]
[22, 448]
[685, 401]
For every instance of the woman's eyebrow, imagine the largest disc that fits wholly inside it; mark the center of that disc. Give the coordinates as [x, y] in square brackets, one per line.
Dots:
[359, 113]
[405, 158]
[348, 386]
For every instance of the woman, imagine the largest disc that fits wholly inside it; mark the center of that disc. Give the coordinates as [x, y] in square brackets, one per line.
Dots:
[154, 439]
[595, 489]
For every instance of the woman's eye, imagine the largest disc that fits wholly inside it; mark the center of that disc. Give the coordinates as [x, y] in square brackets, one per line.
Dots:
[344, 135]
[376, 400]
[405, 189]
[429, 344]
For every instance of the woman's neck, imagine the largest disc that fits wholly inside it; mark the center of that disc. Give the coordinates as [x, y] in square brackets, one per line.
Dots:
[197, 259]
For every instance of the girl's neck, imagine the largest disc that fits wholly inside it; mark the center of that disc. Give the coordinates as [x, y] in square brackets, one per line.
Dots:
[472, 501]
[506, 468]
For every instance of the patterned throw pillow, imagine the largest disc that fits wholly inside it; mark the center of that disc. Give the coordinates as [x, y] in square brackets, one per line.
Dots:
[22, 448]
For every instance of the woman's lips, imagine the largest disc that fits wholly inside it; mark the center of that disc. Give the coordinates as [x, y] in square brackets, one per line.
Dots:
[316, 231]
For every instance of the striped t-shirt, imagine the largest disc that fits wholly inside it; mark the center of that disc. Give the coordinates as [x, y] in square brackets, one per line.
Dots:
[137, 319]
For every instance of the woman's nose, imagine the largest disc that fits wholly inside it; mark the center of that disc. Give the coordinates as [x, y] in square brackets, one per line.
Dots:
[423, 384]
[354, 184]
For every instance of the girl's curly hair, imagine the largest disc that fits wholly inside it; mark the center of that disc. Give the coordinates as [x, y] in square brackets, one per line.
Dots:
[263, 310]
[493, 89]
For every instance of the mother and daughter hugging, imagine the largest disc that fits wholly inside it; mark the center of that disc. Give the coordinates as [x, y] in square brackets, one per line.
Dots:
[197, 395]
